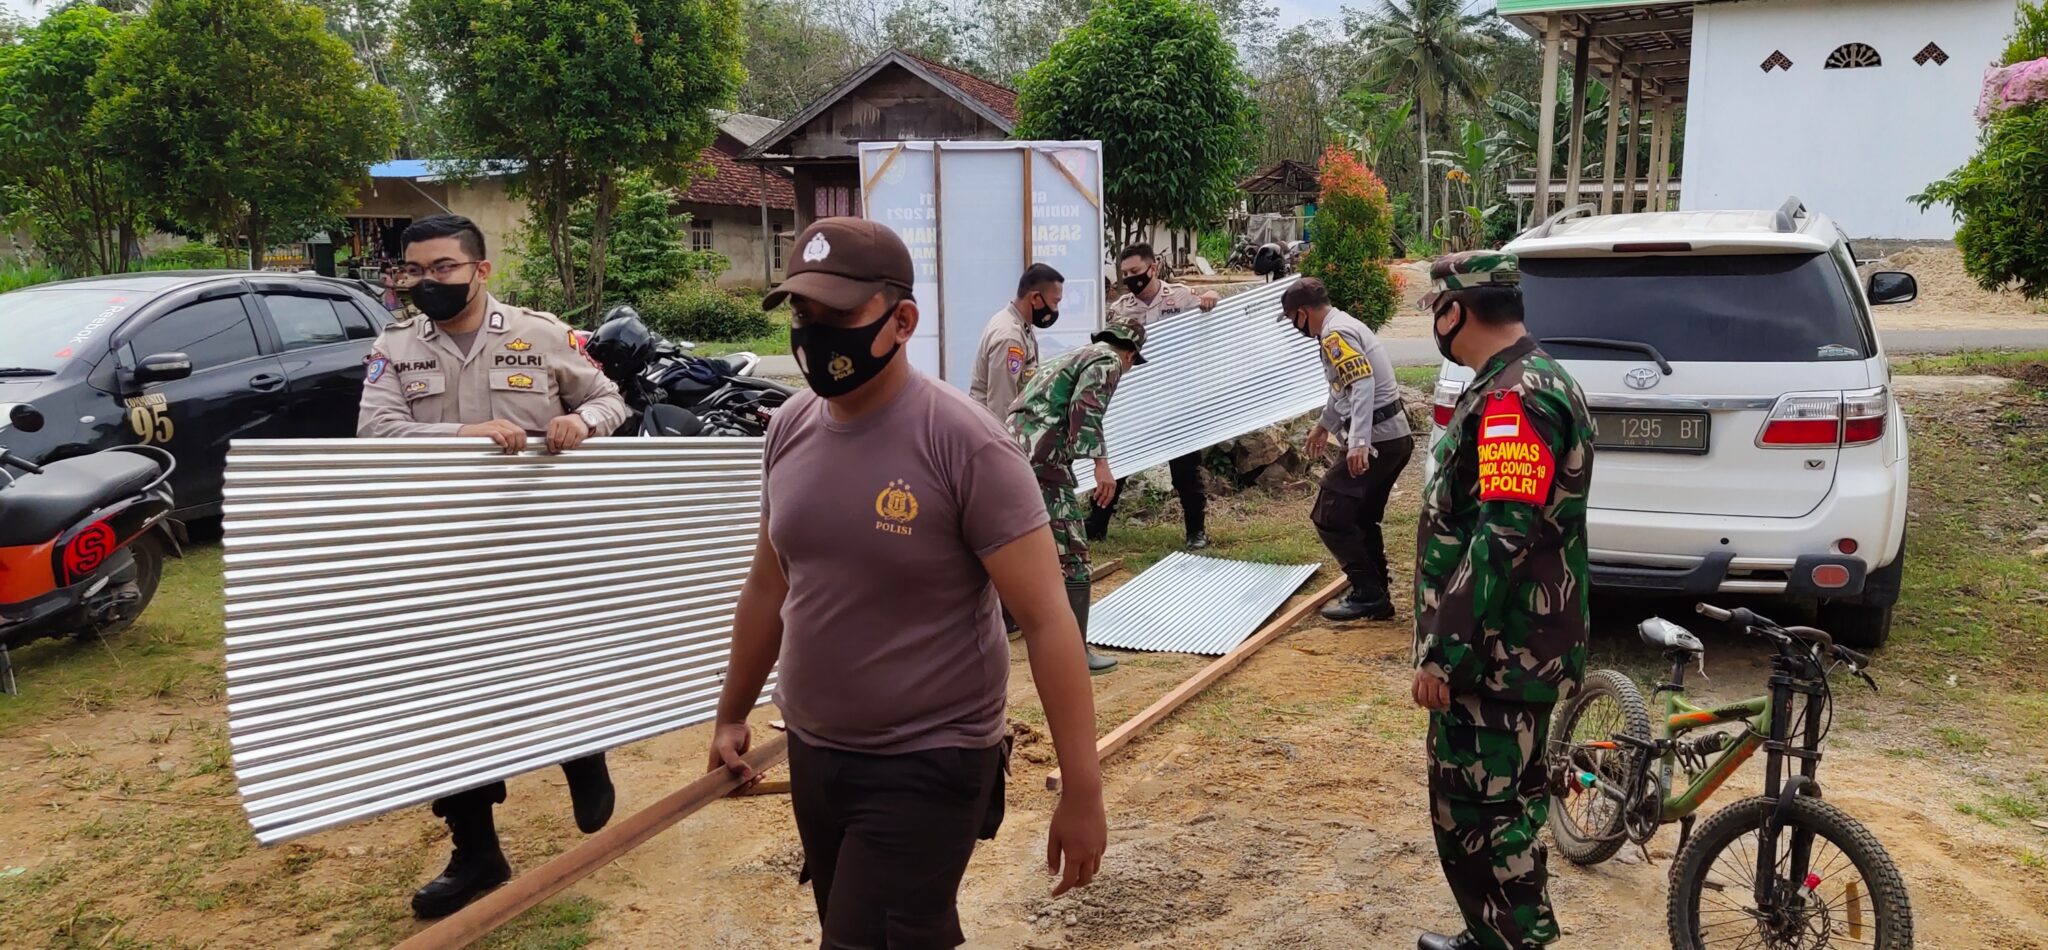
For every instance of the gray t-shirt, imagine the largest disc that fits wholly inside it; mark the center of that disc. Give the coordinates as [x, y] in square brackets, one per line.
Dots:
[1361, 379]
[892, 638]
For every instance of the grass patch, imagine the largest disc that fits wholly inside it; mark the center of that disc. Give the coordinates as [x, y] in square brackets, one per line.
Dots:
[1967, 362]
[1961, 740]
[1420, 377]
[774, 343]
[172, 653]
[557, 925]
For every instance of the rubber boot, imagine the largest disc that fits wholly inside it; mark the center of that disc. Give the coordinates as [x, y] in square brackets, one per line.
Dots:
[476, 867]
[1433, 941]
[591, 794]
[1098, 521]
[1077, 597]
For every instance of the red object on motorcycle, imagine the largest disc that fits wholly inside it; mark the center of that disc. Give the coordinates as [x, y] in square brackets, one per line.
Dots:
[88, 549]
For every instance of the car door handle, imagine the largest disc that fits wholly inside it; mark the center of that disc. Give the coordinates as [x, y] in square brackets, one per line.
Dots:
[266, 382]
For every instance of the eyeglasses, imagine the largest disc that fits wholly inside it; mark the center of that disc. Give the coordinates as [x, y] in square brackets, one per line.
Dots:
[440, 270]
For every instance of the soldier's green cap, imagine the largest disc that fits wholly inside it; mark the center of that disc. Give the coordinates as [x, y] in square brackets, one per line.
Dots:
[1468, 269]
[1125, 333]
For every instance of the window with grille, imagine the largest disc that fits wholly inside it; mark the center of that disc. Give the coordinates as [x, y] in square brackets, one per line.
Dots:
[700, 235]
[1854, 56]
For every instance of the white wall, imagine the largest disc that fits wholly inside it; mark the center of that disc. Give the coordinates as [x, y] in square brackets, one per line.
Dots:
[1854, 143]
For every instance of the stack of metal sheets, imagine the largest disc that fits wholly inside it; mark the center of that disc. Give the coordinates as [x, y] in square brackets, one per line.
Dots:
[1190, 604]
[1209, 378]
[412, 617]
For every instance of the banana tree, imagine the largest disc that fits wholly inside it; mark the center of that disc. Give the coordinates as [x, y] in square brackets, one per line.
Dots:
[1470, 180]
[1521, 119]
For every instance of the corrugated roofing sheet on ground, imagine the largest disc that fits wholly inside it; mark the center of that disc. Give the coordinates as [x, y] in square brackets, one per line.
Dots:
[412, 617]
[1191, 604]
[1209, 378]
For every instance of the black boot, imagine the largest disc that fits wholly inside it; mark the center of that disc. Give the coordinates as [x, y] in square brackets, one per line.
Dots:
[1077, 598]
[476, 867]
[1098, 522]
[1359, 603]
[1198, 541]
[590, 791]
[1430, 941]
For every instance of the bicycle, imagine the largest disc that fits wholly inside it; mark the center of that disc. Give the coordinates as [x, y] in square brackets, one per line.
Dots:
[1813, 876]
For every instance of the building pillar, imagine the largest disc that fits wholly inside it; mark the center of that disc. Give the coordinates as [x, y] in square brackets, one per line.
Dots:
[1546, 135]
[767, 237]
[1656, 139]
[1635, 140]
[1614, 104]
[1574, 174]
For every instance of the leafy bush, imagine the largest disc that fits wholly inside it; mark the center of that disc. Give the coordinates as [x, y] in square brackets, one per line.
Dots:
[2000, 197]
[698, 312]
[189, 256]
[648, 250]
[1214, 246]
[14, 275]
[1354, 239]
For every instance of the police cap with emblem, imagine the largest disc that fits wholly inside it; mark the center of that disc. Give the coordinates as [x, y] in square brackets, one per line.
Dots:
[843, 263]
[1469, 269]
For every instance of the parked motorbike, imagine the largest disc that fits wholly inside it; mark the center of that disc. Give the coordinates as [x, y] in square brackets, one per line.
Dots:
[653, 371]
[82, 541]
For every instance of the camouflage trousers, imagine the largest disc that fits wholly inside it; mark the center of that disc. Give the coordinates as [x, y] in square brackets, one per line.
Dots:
[1489, 799]
[1069, 529]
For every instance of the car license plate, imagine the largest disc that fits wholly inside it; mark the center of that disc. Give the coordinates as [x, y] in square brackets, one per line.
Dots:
[1684, 432]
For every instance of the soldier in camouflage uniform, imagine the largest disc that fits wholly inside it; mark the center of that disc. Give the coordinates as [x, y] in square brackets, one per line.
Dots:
[1057, 419]
[1500, 595]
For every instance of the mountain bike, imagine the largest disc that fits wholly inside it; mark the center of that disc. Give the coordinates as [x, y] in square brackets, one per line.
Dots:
[1784, 870]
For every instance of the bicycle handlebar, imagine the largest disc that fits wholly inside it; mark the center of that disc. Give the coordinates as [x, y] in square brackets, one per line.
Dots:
[1746, 620]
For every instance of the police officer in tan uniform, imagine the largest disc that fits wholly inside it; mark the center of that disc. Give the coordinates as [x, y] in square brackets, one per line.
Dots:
[476, 367]
[1148, 301]
[1008, 353]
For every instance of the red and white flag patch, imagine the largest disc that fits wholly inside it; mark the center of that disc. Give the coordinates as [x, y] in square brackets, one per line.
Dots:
[1514, 465]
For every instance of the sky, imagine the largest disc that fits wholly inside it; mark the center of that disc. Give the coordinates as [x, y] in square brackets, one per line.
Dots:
[19, 8]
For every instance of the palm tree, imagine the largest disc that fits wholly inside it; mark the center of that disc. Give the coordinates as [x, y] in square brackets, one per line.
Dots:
[1427, 50]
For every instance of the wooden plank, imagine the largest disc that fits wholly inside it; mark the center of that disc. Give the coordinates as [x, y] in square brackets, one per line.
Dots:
[1669, 24]
[495, 909]
[780, 787]
[1122, 735]
[1105, 569]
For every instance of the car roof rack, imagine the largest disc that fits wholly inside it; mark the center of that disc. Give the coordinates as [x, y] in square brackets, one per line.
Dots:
[1789, 214]
[1543, 230]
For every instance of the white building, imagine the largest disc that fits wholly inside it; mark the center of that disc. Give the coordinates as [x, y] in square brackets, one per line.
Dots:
[1852, 105]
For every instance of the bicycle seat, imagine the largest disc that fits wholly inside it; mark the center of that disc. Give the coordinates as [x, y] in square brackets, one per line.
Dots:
[1665, 635]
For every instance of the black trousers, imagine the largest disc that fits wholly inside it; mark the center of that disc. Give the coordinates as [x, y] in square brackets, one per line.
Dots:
[1348, 511]
[474, 803]
[887, 839]
[1187, 483]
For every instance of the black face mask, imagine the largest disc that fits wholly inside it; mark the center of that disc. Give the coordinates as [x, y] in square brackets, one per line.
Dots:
[441, 302]
[1137, 283]
[1301, 326]
[839, 360]
[1043, 316]
[1443, 340]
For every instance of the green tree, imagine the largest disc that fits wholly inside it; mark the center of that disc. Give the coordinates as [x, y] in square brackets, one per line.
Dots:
[1354, 231]
[2000, 196]
[1158, 84]
[1429, 51]
[581, 93]
[650, 248]
[242, 115]
[74, 198]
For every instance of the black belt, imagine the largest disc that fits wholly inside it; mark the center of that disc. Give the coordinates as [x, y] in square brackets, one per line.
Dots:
[1388, 411]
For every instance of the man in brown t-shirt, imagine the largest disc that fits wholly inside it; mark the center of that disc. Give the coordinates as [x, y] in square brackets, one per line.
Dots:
[894, 511]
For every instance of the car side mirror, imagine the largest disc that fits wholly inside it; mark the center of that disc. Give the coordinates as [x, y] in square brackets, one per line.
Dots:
[162, 368]
[24, 418]
[1890, 287]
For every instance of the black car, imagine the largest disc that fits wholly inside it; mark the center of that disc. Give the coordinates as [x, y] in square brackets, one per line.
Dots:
[187, 360]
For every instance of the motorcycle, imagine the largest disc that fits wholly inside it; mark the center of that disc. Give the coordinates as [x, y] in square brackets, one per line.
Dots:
[82, 541]
[653, 371]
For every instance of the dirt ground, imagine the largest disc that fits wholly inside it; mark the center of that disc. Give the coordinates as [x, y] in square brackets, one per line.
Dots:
[1282, 808]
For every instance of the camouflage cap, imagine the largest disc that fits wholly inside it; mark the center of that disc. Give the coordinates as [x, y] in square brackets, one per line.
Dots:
[1468, 269]
[1128, 334]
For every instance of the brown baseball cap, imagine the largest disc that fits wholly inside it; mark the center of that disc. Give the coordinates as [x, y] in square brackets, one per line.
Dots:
[843, 262]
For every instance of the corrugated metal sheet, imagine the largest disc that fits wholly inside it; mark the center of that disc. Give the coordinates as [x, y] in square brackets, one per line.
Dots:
[1209, 378]
[412, 617]
[1190, 604]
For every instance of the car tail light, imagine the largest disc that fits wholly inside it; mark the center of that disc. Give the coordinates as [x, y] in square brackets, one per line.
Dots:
[1830, 577]
[1804, 420]
[1847, 546]
[1446, 401]
[1863, 415]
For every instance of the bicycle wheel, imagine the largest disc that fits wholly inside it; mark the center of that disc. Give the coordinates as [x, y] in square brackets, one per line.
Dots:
[1856, 898]
[1587, 821]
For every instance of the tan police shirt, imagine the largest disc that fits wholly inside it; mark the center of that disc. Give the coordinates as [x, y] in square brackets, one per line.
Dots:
[524, 367]
[1171, 299]
[1361, 379]
[1005, 362]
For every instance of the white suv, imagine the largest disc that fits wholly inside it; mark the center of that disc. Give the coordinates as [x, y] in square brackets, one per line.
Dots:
[1747, 438]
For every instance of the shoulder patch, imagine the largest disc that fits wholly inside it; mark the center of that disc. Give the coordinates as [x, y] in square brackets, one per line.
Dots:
[1014, 360]
[374, 369]
[497, 321]
[1514, 464]
[1349, 364]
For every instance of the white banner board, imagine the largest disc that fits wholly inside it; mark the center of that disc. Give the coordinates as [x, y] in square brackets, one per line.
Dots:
[975, 215]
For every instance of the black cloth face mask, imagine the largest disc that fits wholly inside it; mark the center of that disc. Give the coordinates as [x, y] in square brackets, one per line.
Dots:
[1136, 283]
[838, 360]
[441, 302]
[1443, 340]
[1043, 316]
